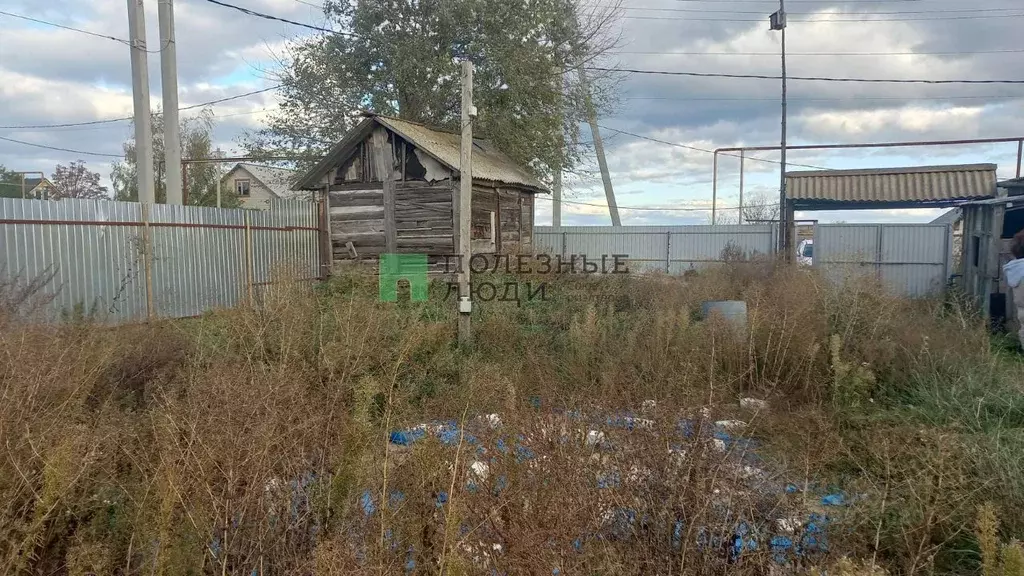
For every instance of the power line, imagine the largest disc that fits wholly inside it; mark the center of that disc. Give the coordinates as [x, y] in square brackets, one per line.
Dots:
[688, 147]
[776, 54]
[73, 29]
[43, 146]
[806, 78]
[657, 209]
[112, 120]
[759, 12]
[836, 99]
[279, 19]
[826, 20]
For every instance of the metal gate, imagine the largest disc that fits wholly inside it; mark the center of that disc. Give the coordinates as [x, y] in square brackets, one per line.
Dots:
[912, 259]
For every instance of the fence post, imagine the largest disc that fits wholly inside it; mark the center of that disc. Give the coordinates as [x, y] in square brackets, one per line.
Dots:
[248, 257]
[147, 260]
[563, 244]
[668, 252]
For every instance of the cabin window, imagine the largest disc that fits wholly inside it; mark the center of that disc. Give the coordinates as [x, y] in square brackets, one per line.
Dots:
[242, 187]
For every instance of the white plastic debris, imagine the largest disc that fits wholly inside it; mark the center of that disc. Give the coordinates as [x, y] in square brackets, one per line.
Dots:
[718, 444]
[705, 412]
[493, 420]
[594, 437]
[638, 474]
[753, 404]
[678, 456]
[788, 525]
[480, 469]
[731, 424]
[648, 406]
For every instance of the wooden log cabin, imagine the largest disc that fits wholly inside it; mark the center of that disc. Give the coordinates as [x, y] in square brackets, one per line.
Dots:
[393, 187]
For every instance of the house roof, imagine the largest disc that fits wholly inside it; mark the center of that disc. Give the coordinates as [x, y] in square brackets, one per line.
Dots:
[912, 184]
[489, 163]
[950, 217]
[277, 180]
[1012, 183]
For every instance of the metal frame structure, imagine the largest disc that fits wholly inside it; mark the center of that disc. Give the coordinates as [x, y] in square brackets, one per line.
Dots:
[742, 150]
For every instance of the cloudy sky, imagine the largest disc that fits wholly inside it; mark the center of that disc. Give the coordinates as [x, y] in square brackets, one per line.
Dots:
[51, 76]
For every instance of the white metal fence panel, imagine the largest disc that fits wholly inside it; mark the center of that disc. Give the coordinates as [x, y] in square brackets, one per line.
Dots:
[912, 259]
[672, 249]
[93, 252]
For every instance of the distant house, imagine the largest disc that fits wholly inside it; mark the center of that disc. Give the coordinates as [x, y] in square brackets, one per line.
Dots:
[393, 187]
[257, 185]
[34, 188]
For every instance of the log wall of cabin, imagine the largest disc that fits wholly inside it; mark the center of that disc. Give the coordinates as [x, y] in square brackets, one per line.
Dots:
[423, 218]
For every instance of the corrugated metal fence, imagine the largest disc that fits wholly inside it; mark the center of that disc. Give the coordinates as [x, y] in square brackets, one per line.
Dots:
[200, 258]
[672, 249]
[912, 259]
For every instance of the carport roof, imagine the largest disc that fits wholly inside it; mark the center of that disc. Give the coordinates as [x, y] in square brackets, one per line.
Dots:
[925, 185]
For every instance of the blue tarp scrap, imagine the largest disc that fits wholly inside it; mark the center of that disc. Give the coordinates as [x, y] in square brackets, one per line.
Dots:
[367, 504]
[791, 488]
[837, 499]
[743, 540]
[677, 534]
[441, 500]
[686, 428]
[407, 437]
[395, 498]
[781, 545]
[410, 560]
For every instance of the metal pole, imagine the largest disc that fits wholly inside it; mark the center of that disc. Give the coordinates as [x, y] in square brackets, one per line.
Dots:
[740, 219]
[218, 185]
[1020, 152]
[169, 83]
[23, 186]
[714, 186]
[466, 201]
[602, 163]
[140, 92]
[783, 213]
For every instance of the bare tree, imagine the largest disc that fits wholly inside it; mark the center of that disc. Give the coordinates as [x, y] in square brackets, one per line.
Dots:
[760, 209]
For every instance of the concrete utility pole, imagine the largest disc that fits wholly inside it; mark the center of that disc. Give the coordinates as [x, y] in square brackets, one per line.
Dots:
[140, 91]
[556, 187]
[778, 22]
[740, 218]
[613, 208]
[466, 201]
[169, 82]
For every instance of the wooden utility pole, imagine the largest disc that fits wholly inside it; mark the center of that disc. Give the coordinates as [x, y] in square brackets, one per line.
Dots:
[140, 92]
[556, 187]
[466, 202]
[613, 208]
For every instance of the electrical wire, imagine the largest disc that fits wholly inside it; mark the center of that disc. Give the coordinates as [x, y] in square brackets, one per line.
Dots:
[279, 19]
[657, 209]
[112, 120]
[826, 20]
[759, 12]
[45, 147]
[73, 29]
[837, 99]
[698, 149]
[788, 54]
[805, 78]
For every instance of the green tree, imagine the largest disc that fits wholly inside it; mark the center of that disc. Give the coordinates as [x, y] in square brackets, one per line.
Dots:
[196, 143]
[10, 183]
[400, 58]
[76, 181]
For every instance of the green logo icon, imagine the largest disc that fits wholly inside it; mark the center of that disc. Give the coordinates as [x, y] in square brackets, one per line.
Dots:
[410, 267]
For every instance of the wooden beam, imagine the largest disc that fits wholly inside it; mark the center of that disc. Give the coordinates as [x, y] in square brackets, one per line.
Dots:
[384, 163]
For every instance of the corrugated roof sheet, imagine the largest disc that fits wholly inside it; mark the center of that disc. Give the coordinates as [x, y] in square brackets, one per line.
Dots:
[921, 183]
[489, 163]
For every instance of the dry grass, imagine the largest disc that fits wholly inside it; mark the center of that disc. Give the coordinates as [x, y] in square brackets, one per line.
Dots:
[257, 441]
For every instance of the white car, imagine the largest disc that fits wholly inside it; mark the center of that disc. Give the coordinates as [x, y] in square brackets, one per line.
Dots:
[805, 252]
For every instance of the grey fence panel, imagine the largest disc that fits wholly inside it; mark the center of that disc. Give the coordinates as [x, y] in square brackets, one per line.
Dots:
[93, 253]
[673, 249]
[912, 259]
